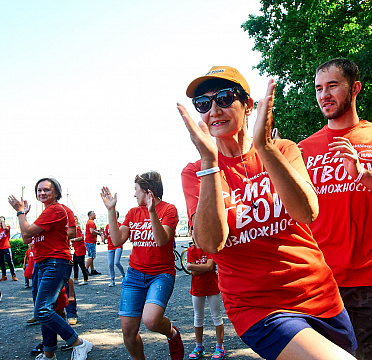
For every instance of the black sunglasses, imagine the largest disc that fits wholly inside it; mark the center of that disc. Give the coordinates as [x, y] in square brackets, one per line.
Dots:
[223, 98]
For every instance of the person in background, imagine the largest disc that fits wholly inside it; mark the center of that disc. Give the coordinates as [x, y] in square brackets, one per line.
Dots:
[149, 281]
[204, 286]
[6, 251]
[338, 159]
[28, 261]
[249, 201]
[113, 254]
[79, 255]
[91, 234]
[53, 264]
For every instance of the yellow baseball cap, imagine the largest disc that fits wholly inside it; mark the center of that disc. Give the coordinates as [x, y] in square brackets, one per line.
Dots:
[222, 72]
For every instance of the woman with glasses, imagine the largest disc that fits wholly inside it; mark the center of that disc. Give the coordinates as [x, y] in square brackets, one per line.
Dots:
[149, 280]
[53, 266]
[249, 201]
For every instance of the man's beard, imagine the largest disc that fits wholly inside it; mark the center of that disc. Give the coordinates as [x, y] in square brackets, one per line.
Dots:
[343, 108]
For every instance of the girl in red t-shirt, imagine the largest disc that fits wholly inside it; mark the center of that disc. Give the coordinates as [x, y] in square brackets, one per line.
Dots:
[28, 265]
[204, 285]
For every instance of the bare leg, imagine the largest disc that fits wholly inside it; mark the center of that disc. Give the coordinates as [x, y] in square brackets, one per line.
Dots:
[310, 345]
[198, 334]
[132, 339]
[220, 330]
[89, 264]
[154, 319]
[49, 354]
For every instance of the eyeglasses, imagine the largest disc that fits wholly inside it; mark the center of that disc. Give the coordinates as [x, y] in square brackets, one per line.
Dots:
[223, 98]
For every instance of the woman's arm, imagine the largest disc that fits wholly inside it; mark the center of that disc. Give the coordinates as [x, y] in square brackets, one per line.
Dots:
[294, 189]
[210, 220]
[118, 236]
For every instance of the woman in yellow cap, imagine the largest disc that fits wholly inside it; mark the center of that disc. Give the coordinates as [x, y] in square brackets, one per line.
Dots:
[249, 201]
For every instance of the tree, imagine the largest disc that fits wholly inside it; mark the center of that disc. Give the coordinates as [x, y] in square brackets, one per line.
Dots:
[296, 36]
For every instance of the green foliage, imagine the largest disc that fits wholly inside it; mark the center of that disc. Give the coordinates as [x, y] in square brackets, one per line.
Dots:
[294, 37]
[18, 252]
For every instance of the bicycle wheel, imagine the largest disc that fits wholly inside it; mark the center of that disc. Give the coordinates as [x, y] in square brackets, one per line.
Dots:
[184, 262]
[177, 260]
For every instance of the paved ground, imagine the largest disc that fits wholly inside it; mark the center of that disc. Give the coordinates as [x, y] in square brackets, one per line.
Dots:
[100, 324]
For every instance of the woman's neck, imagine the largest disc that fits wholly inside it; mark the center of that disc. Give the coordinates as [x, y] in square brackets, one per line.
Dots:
[51, 203]
[234, 146]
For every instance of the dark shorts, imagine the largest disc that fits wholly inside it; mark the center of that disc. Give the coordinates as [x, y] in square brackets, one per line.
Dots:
[358, 303]
[270, 336]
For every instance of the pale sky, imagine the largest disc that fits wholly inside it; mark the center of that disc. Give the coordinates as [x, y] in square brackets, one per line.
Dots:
[89, 90]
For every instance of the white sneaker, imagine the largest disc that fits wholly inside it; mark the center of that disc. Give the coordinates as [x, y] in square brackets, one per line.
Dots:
[83, 282]
[112, 284]
[80, 352]
[76, 281]
[43, 357]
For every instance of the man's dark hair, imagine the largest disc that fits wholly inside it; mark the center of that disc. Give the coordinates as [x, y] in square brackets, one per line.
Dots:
[350, 70]
[89, 212]
[216, 84]
[150, 180]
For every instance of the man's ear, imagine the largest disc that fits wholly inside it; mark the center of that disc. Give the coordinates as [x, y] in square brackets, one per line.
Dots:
[357, 86]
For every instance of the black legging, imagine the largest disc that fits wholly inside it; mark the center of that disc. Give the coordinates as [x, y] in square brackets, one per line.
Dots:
[80, 261]
[7, 253]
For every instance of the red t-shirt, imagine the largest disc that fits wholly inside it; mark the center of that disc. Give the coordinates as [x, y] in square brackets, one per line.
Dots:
[30, 264]
[343, 228]
[79, 246]
[204, 284]
[62, 300]
[146, 255]
[52, 242]
[269, 263]
[89, 237]
[4, 238]
[110, 245]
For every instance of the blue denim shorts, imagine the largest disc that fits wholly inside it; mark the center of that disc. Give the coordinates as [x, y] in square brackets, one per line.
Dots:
[140, 289]
[270, 336]
[91, 249]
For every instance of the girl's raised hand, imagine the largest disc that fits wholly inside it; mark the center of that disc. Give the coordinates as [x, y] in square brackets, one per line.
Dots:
[200, 136]
[107, 198]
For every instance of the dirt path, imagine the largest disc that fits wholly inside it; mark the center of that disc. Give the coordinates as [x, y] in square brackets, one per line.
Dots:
[99, 322]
